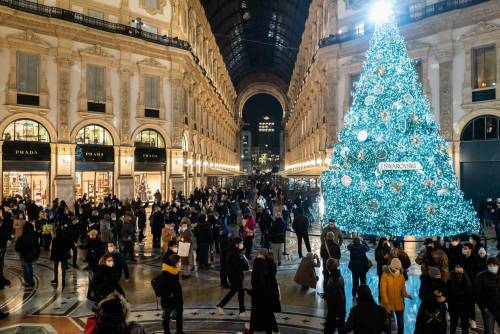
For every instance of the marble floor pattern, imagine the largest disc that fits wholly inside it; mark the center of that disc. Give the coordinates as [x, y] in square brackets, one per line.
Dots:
[66, 312]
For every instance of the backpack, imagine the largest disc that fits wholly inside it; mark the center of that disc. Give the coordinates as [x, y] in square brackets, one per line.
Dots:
[156, 284]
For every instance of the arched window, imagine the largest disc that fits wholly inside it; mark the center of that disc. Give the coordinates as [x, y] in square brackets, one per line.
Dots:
[481, 128]
[26, 130]
[94, 135]
[149, 138]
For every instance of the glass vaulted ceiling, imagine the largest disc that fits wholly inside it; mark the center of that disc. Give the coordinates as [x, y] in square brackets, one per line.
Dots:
[258, 35]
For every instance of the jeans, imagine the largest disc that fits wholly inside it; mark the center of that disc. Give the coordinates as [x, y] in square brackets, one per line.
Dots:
[178, 319]
[299, 243]
[277, 252]
[202, 255]
[236, 287]
[456, 313]
[27, 272]
[356, 278]
[489, 321]
[332, 323]
[64, 266]
[400, 321]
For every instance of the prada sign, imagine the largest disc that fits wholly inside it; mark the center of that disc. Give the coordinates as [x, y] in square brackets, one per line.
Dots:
[149, 155]
[25, 151]
[94, 153]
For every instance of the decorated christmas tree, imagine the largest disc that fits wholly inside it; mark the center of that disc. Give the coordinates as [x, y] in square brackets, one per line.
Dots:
[390, 172]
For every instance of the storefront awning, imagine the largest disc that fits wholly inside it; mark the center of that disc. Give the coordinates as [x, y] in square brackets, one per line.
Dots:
[310, 172]
[221, 172]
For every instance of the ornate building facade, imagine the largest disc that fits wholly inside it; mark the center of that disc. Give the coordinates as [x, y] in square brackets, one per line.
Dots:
[455, 47]
[127, 97]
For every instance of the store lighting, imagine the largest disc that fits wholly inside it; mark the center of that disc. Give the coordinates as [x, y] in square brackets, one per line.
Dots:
[381, 12]
[318, 161]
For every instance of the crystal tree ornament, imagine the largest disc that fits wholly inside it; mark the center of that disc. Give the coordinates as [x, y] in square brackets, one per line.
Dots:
[391, 201]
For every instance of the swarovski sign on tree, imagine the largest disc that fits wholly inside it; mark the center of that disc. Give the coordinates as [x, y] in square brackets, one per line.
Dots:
[390, 172]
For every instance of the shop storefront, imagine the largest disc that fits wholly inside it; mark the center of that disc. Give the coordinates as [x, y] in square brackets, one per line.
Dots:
[94, 157]
[150, 165]
[26, 161]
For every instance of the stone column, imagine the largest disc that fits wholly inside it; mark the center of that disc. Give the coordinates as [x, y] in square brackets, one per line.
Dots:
[125, 76]
[64, 63]
[126, 169]
[65, 166]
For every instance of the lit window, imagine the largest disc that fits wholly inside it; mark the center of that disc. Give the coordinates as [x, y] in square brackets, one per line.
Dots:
[95, 14]
[149, 138]
[27, 73]
[26, 130]
[483, 67]
[96, 90]
[94, 135]
[359, 29]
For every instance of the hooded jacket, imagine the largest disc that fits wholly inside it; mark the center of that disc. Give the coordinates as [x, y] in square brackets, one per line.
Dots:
[392, 290]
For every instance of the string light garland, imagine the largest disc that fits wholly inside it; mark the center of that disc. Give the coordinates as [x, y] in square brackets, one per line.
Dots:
[391, 121]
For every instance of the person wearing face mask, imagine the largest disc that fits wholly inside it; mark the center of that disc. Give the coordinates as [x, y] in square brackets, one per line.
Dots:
[171, 249]
[105, 280]
[487, 292]
[167, 234]
[459, 288]
[432, 257]
[236, 265]
[454, 252]
[171, 294]
[393, 292]
[186, 236]
[120, 265]
[431, 317]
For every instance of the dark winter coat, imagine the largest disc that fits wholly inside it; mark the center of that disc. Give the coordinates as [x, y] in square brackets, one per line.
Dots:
[265, 295]
[454, 256]
[236, 265]
[358, 262]
[103, 283]
[335, 295]
[300, 224]
[120, 266]
[60, 249]
[27, 244]
[487, 291]
[459, 291]
[306, 274]
[330, 249]
[278, 231]
[367, 318]
[431, 317]
[157, 222]
[381, 256]
[204, 234]
[472, 266]
[5, 234]
[171, 290]
[95, 250]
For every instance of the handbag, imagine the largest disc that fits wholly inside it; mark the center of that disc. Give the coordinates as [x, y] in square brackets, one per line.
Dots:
[90, 325]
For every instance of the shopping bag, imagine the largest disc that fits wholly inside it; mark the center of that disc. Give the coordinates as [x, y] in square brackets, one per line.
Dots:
[183, 250]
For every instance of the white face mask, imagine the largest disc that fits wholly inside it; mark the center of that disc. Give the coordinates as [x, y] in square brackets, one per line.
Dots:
[241, 246]
[493, 269]
[111, 249]
[183, 228]
[174, 249]
[465, 252]
[454, 243]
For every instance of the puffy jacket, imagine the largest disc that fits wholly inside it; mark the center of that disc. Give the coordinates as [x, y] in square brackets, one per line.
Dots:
[392, 291]
[278, 230]
[367, 318]
[171, 290]
[103, 283]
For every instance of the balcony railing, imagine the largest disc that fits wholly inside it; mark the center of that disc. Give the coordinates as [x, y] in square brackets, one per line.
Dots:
[88, 21]
[405, 17]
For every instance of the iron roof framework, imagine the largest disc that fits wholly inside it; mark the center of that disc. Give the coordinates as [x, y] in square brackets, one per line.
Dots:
[258, 35]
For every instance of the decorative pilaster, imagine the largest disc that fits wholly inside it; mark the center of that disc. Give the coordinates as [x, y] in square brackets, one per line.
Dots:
[444, 56]
[64, 64]
[125, 76]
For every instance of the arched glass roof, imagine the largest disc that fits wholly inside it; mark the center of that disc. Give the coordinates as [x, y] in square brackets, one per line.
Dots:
[258, 35]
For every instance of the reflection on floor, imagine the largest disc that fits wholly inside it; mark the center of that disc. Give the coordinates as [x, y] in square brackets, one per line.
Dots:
[66, 313]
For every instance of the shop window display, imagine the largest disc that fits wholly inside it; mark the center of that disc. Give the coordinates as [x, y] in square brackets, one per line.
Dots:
[94, 135]
[94, 185]
[26, 184]
[149, 138]
[26, 130]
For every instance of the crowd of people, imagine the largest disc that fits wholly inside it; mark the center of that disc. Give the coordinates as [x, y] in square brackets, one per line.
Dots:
[191, 233]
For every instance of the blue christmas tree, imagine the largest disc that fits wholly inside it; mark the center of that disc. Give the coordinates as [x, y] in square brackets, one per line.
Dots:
[390, 171]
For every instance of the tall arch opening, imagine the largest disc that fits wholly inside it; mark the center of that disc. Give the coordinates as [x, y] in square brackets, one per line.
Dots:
[262, 142]
[480, 159]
